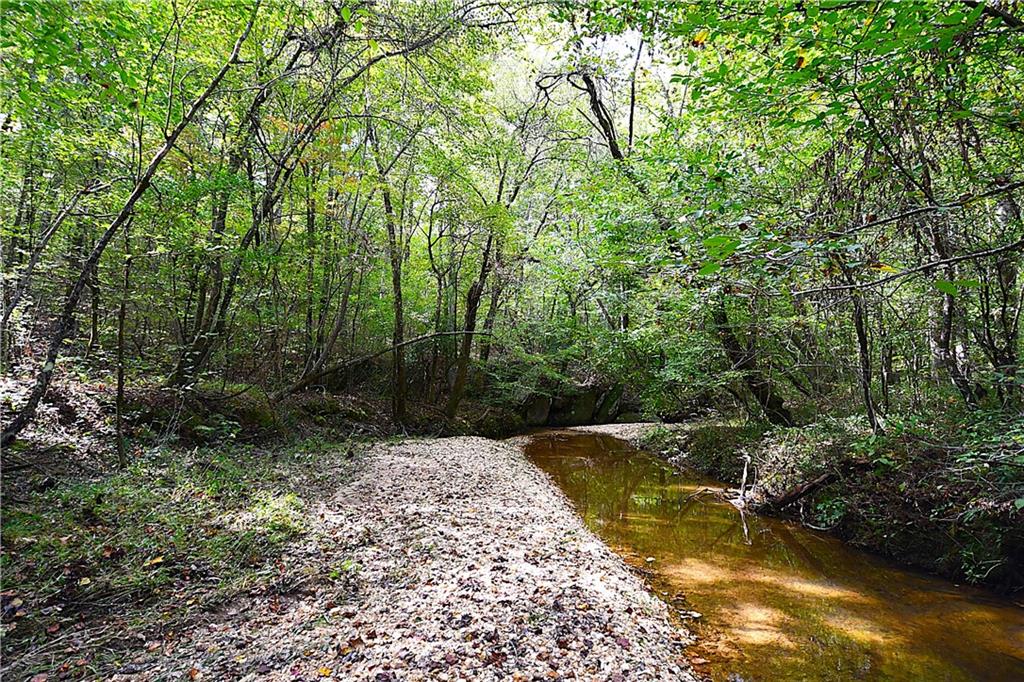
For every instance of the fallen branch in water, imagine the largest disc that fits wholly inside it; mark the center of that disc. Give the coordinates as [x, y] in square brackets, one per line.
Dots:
[802, 490]
[704, 491]
[799, 491]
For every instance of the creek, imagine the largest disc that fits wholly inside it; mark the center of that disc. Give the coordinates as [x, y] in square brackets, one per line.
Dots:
[777, 601]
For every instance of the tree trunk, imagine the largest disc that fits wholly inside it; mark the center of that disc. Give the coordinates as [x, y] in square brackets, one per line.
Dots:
[314, 371]
[311, 350]
[863, 350]
[122, 313]
[395, 248]
[744, 360]
[66, 321]
[947, 355]
[476, 290]
[944, 352]
[606, 126]
[24, 280]
[94, 314]
[210, 286]
[490, 319]
[864, 353]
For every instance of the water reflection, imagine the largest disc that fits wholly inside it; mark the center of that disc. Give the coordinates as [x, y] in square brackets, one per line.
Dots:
[779, 602]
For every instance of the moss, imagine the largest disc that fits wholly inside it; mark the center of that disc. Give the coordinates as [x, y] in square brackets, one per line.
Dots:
[279, 513]
[253, 412]
[211, 413]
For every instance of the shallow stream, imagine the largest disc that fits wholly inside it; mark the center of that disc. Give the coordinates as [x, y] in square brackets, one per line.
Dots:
[777, 601]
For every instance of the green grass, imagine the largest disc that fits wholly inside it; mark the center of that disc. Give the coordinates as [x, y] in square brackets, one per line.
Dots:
[174, 533]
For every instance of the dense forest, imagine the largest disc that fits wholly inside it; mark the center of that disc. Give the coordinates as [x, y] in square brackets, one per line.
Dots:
[799, 223]
[794, 207]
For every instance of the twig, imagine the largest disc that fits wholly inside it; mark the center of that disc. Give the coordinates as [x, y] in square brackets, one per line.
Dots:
[1013, 246]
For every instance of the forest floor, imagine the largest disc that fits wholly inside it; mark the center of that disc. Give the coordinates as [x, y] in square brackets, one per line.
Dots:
[440, 559]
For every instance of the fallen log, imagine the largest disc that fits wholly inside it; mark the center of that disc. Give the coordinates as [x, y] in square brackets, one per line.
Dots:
[799, 491]
[802, 490]
[313, 377]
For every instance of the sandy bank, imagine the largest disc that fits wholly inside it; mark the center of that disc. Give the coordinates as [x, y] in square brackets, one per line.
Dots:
[454, 559]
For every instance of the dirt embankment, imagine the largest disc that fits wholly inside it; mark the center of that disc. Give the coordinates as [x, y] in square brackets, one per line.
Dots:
[456, 560]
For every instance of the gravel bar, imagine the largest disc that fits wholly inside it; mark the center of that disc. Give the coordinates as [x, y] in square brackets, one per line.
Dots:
[462, 561]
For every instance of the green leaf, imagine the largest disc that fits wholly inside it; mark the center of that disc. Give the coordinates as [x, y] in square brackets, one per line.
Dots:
[709, 269]
[721, 246]
[946, 287]
[716, 241]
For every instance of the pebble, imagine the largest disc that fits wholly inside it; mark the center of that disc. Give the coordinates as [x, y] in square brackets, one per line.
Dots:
[451, 559]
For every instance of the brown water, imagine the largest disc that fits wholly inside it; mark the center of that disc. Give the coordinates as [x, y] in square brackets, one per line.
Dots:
[779, 602]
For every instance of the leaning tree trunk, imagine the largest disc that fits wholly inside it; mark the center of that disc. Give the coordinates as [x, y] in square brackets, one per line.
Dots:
[286, 163]
[606, 126]
[214, 294]
[24, 279]
[66, 322]
[314, 372]
[744, 359]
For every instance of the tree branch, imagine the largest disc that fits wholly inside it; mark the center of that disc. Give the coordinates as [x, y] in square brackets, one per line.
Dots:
[311, 379]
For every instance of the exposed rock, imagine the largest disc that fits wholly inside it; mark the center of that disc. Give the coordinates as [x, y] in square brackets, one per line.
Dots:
[538, 407]
[575, 410]
[609, 404]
